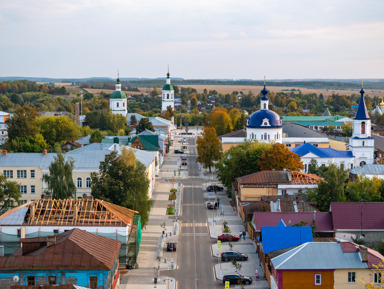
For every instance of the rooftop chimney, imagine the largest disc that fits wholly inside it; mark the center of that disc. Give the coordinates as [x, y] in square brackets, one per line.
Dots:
[44, 152]
[363, 253]
[4, 152]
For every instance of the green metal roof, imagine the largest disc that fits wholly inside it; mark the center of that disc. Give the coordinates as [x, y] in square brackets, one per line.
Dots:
[312, 118]
[168, 87]
[118, 95]
[320, 123]
[150, 142]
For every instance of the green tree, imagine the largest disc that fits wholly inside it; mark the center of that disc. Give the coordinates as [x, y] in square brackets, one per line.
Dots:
[292, 106]
[332, 189]
[104, 119]
[364, 189]
[124, 183]
[60, 180]
[279, 157]
[57, 129]
[347, 129]
[154, 91]
[9, 194]
[144, 124]
[96, 136]
[208, 147]
[239, 161]
[133, 119]
[23, 123]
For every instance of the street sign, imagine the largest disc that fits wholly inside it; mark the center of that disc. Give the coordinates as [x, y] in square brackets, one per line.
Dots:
[214, 221]
[218, 242]
[226, 284]
[213, 214]
[218, 247]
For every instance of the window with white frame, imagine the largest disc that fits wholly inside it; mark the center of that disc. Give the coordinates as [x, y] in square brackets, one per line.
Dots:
[8, 174]
[351, 277]
[317, 279]
[377, 277]
[88, 182]
[32, 174]
[79, 182]
[33, 189]
[21, 174]
[23, 189]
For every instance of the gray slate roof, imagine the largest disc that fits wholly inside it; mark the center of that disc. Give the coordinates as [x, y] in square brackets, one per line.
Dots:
[317, 256]
[295, 130]
[376, 170]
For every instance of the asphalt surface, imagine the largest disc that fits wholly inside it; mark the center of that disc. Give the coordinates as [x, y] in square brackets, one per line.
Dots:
[195, 267]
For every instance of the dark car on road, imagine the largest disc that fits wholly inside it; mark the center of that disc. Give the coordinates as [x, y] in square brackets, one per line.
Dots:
[178, 152]
[214, 188]
[171, 247]
[233, 255]
[236, 278]
[228, 237]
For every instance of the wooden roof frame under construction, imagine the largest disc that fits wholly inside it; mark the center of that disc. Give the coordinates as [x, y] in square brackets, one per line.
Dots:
[71, 212]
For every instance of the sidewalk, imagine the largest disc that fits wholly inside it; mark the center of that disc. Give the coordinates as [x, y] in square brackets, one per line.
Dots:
[247, 246]
[161, 228]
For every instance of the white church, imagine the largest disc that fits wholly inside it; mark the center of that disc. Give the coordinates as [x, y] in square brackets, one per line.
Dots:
[266, 126]
[168, 95]
[118, 100]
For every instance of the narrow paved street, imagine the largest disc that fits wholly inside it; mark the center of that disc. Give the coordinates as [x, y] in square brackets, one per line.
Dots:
[195, 263]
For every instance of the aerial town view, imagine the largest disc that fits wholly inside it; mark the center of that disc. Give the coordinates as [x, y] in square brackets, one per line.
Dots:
[191, 144]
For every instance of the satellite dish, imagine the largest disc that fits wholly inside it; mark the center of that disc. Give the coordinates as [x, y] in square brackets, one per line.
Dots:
[15, 278]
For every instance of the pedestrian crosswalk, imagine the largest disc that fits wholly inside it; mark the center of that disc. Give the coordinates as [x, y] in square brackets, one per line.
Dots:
[194, 224]
[193, 234]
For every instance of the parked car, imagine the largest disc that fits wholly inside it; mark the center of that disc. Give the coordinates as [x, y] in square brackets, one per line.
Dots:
[214, 188]
[234, 279]
[212, 205]
[178, 152]
[228, 237]
[171, 247]
[233, 255]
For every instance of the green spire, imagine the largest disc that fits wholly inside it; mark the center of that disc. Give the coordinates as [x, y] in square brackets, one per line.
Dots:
[118, 77]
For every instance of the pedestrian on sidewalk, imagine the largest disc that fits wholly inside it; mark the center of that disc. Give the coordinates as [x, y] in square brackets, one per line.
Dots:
[257, 274]
[244, 234]
[240, 234]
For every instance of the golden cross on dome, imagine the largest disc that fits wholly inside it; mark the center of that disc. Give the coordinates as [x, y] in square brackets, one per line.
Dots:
[264, 79]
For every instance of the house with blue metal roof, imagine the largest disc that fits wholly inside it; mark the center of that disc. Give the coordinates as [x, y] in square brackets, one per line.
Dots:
[280, 237]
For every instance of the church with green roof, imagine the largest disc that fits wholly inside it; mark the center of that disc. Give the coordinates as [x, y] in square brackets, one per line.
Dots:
[168, 95]
[118, 100]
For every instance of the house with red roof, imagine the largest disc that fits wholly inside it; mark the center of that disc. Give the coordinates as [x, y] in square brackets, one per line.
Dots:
[321, 222]
[73, 257]
[359, 220]
[270, 183]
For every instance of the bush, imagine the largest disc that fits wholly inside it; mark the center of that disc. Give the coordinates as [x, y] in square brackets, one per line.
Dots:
[172, 197]
[173, 191]
[170, 211]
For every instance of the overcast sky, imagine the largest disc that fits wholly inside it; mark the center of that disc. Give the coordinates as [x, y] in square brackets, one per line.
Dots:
[232, 39]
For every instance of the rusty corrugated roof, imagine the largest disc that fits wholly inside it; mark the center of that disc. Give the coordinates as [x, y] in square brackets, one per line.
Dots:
[73, 250]
[279, 177]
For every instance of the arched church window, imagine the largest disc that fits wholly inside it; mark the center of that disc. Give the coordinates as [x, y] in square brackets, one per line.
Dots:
[123, 104]
[167, 95]
[117, 104]
[363, 127]
[363, 143]
[262, 137]
[265, 136]
[265, 106]
[269, 137]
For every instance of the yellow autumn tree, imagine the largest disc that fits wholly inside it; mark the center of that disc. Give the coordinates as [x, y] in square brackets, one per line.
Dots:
[220, 120]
